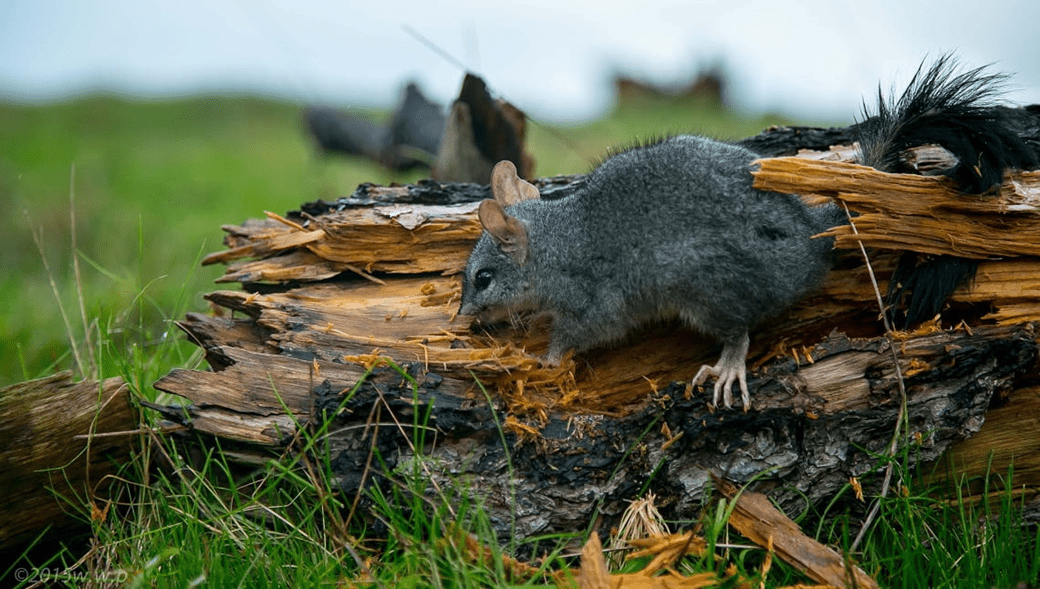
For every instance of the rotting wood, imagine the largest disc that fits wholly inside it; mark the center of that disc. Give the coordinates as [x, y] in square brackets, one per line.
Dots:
[55, 453]
[781, 141]
[924, 214]
[376, 239]
[821, 400]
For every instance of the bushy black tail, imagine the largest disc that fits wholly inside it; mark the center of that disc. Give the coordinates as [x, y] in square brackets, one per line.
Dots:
[957, 112]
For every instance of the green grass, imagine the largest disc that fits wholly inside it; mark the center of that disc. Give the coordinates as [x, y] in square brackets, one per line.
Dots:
[153, 184]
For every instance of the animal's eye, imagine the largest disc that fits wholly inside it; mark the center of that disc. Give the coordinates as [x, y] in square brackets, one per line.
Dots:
[483, 279]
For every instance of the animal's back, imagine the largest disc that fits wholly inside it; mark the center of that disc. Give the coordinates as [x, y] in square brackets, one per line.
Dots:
[680, 225]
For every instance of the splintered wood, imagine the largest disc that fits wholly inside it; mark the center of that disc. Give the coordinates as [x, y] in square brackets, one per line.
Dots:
[594, 574]
[394, 238]
[916, 213]
[342, 320]
[817, 561]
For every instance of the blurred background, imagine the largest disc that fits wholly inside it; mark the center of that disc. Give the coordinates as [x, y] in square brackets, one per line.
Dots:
[553, 58]
[130, 132]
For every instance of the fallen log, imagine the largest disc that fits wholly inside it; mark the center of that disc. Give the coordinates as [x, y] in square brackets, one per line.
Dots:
[348, 319]
[61, 443]
[815, 424]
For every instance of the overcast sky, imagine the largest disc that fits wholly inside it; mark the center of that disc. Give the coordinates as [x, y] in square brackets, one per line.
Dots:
[552, 58]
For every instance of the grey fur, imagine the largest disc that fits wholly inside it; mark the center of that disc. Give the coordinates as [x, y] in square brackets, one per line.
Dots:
[671, 229]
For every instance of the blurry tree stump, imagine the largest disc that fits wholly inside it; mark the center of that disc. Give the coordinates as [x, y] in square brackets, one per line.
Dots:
[479, 133]
[347, 319]
[463, 146]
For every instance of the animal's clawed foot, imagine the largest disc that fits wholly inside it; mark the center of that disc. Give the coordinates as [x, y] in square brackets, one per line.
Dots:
[724, 379]
[730, 368]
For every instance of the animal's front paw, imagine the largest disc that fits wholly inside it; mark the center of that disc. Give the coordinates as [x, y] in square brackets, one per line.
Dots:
[553, 358]
[556, 356]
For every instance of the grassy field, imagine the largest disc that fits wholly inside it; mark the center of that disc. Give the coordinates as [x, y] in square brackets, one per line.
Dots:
[134, 193]
[153, 183]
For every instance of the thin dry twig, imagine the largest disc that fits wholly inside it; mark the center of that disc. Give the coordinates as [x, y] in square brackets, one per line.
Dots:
[372, 422]
[38, 239]
[415, 453]
[91, 353]
[893, 445]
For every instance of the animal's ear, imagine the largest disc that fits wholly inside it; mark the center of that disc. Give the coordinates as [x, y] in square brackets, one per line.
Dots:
[508, 188]
[509, 232]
